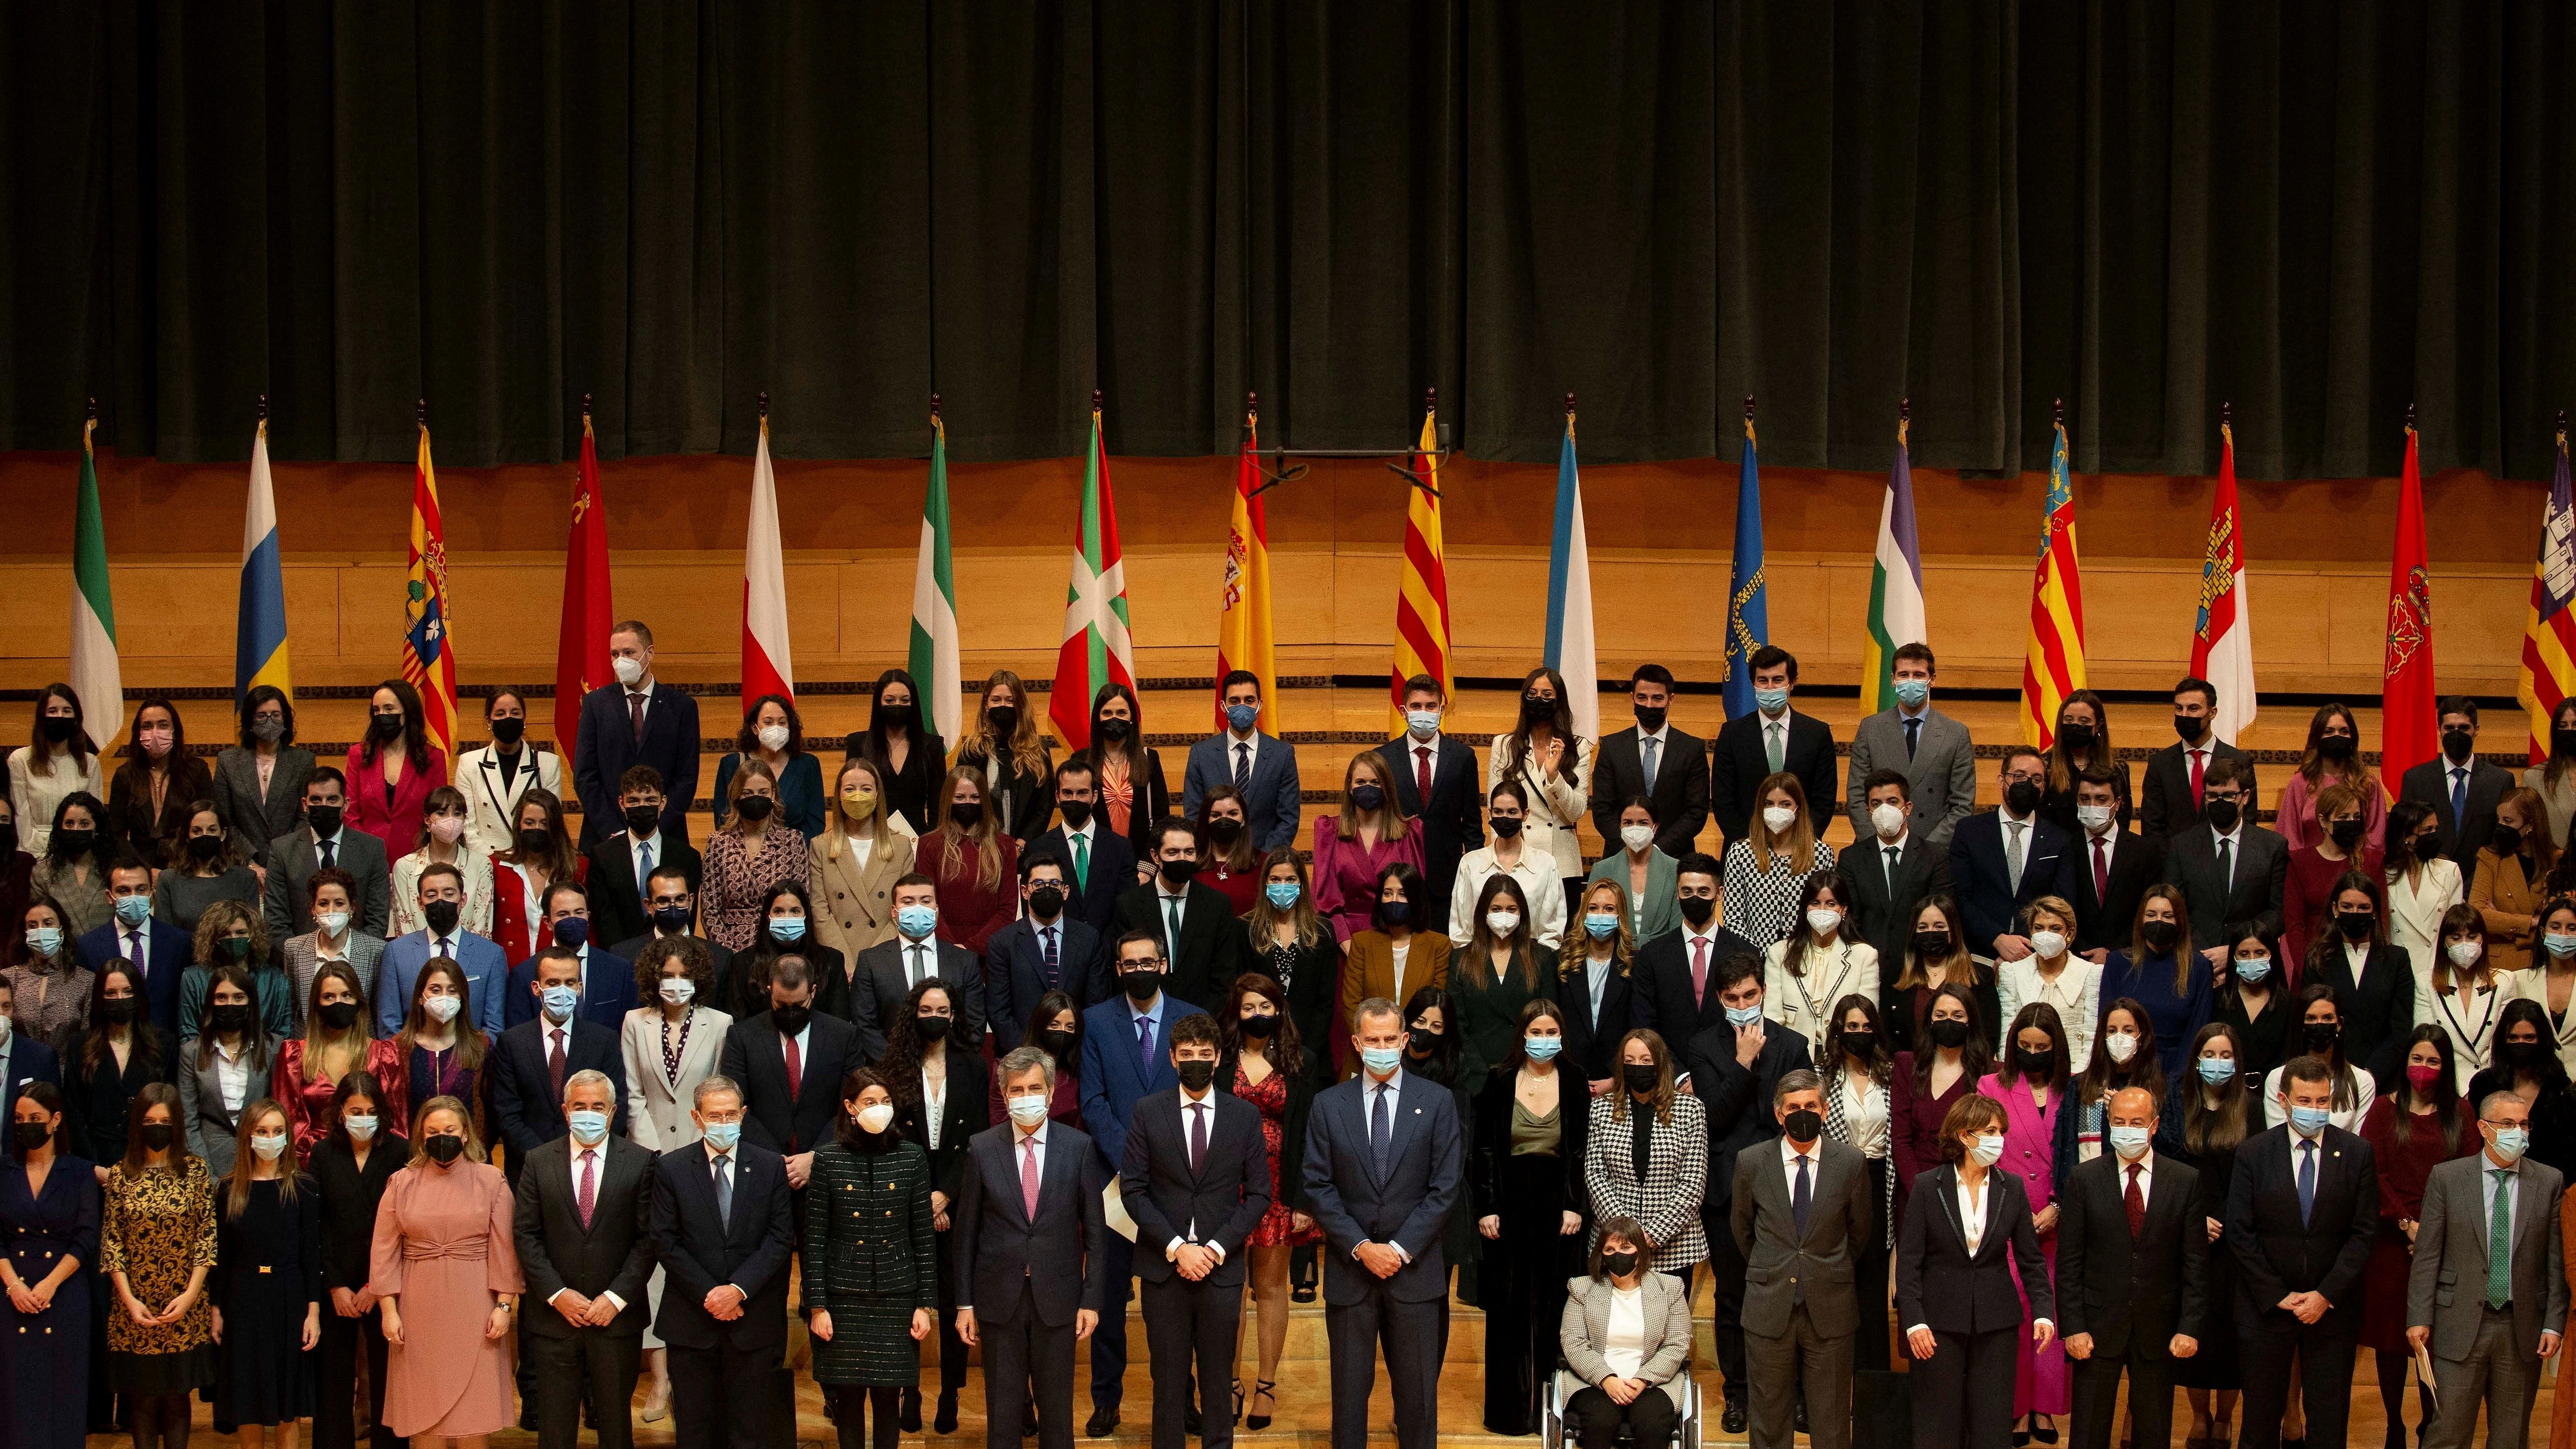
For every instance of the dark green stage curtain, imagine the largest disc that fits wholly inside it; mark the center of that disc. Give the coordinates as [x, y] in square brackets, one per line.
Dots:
[2321, 210]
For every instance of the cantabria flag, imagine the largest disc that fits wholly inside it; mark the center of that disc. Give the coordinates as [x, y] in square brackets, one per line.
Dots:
[95, 677]
[934, 598]
[1096, 649]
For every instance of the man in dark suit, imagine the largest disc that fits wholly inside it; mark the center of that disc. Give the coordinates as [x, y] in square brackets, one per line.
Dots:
[607, 981]
[2302, 1209]
[887, 971]
[1262, 766]
[1676, 788]
[160, 950]
[2176, 773]
[673, 898]
[1196, 1179]
[1032, 1265]
[1099, 862]
[1383, 1163]
[723, 1230]
[1772, 739]
[1046, 949]
[1208, 949]
[1451, 810]
[1126, 1057]
[2113, 868]
[789, 1061]
[1799, 1218]
[1738, 1065]
[2229, 869]
[2131, 1262]
[2461, 789]
[533, 1060]
[2487, 1290]
[622, 865]
[287, 901]
[583, 1229]
[1675, 974]
[24, 1062]
[1892, 869]
[634, 722]
[2001, 861]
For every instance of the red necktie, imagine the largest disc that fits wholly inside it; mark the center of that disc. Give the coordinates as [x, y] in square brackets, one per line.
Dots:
[2198, 757]
[1029, 1176]
[1422, 773]
[2101, 872]
[555, 1060]
[1699, 971]
[2137, 1205]
[589, 1195]
[635, 715]
[795, 1067]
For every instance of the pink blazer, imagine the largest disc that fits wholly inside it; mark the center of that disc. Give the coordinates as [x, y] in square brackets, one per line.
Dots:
[399, 819]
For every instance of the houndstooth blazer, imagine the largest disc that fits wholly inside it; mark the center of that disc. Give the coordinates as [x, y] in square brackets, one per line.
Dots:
[1667, 1203]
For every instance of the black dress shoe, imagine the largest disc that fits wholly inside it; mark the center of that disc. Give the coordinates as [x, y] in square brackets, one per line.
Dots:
[528, 1418]
[2044, 1433]
[946, 1423]
[1735, 1418]
[909, 1412]
[1801, 1413]
[1102, 1424]
[1029, 1423]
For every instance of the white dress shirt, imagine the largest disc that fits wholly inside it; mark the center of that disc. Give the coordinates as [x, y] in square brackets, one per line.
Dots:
[1791, 1156]
[1864, 1114]
[2234, 840]
[934, 1098]
[1204, 1103]
[637, 847]
[232, 1076]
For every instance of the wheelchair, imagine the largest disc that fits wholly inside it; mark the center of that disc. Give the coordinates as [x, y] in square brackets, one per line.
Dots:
[1562, 1386]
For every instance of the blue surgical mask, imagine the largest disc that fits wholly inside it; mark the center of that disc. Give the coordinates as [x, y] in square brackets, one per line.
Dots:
[724, 1136]
[917, 921]
[2309, 1120]
[45, 940]
[2129, 1142]
[1912, 692]
[2253, 968]
[1282, 893]
[1743, 1015]
[134, 910]
[1242, 716]
[588, 1128]
[2218, 1071]
[362, 1128]
[560, 1000]
[1542, 1048]
[787, 928]
[1600, 925]
[1771, 701]
[1422, 724]
[2510, 1142]
[1381, 1060]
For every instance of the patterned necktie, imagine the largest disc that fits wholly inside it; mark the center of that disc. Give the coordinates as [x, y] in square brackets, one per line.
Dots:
[2307, 1179]
[2136, 1203]
[1242, 766]
[1422, 776]
[2500, 1240]
[1777, 750]
[1145, 1043]
[2012, 853]
[1029, 1176]
[1047, 935]
[589, 1195]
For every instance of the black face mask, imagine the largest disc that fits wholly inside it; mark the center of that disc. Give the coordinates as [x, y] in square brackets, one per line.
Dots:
[1639, 1076]
[1001, 720]
[2021, 797]
[1226, 830]
[1046, 901]
[535, 841]
[1506, 826]
[1949, 1031]
[1932, 944]
[789, 1020]
[73, 844]
[967, 813]
[2355, 925]
[1804, 1125]
[1195, 1075]
[1260, 1028]
[2337, 747]
[2188, 727]
[754, 807]
[384, 728]
[2034, 1064]
[507, 729]
[228, 1019]
[2457, 744]
[1076, 813]
[2159, 935]
[1177, 873]
[643, 819]
[59, 727]
[1395, 913]
[119, 1011]
[325, 820]
[2507, 839]
[932, 1028]
[2562, 743]
[1859, 1044]
[158, 1136]
[1421, 1041]
[340, 1015]
[2345, 833]
[672, 919]
[895, 716]
[1367, 797]
[1618, 1265]
[2321, 1036]
[440, 917]
[1115, 731]
[30, 1135]
[2426, 847]
[2221, 814]
[444, 1148]
[2522, 1056]
[204, 848]
[1650, 717]
[1056, 1040]
[1140, 986]
[8, 840]
[1536, 711]
[2076, 736]
[1698, 909]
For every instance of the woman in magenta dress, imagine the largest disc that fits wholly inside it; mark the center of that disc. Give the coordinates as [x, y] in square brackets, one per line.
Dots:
[446, 1275]
[2039, 1149]
[2412, 1130]
[1354, 848]
[1262, 1061]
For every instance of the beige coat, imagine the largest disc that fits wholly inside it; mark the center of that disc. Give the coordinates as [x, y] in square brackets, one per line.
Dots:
[856, 907]
[1587, 1326]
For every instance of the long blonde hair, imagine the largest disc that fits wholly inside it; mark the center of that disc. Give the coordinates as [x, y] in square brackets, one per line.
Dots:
[1391, 823]
[1622, 941]
[465, 1120]
[835, 830]
[985, 837]
[1798, 844]
[246, 1160]
[1027, 744]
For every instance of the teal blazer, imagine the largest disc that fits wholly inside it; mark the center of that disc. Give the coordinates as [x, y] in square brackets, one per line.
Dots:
[1663, 910]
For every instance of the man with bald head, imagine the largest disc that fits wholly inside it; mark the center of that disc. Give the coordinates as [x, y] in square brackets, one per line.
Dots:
[2132, 1250]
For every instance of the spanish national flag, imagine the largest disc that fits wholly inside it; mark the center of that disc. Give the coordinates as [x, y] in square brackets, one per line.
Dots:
[2549, 630]
[2054, 667]
[1243, 639]
[1422, 595]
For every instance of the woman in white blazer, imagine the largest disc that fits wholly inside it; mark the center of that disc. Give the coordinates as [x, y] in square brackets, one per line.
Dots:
[670, 1043]
[494, 776]
[2423, 884]
[2052, 973]
[1818, 965]
[1553, 765]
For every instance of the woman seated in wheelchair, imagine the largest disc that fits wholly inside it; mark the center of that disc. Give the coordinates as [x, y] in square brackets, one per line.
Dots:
[1627, 1336]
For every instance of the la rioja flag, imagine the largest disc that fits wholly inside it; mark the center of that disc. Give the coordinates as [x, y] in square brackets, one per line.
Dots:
[1096, 648]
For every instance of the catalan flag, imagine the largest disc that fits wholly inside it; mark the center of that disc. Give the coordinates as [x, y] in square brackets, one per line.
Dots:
[2222, 633]
[2054, 667]
[1422, 598]
[1243, 639]
[429, 635]
[1097, 648]
[2549, 630]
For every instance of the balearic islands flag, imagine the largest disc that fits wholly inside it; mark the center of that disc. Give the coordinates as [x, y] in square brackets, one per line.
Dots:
[589, 609]
[933, 659]
[259, 633]
[2222, 636]
[95, 676]
[2549, 630]
[1096, 648]
[1748, 604]
[1243, 639]
[1895, 585]
[768, 667]
[2054, 666]
[2408, 732]
[1569, 596]
[1422, 590]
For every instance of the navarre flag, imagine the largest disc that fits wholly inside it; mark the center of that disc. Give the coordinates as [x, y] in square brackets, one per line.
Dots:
[429, 632]
[589, 610]
[1243, 638]
[768, 667]
[2409, 732]
[2054, 666]
[1096, 648]
[95, 676]
[1569, 596]
[1422, 590]
[259, 633]
[1895, 586]
[933, 656]
[2549, 629]
[2222, 634]
[1748, 606]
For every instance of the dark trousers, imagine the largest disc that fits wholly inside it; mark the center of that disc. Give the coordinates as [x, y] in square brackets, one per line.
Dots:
[1595, 1419]
[1800, 1361]
[2325, 1351]
[1190, 1324]
[1726, 1270]
[1869, 1278]
[1409, 1335]
[1963, 1393]
[588, 1364]
[952, 1349]
[1017, 1355]
[335, 1424]
[1521, 1277]
[2151, 1385]
[727, 1398]
[1109, 1340]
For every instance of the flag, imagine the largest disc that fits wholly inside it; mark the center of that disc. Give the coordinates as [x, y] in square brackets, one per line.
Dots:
[1243, 638]
[2408, 730]
[1748, 608]
[259, 637]
[2222, 636]
[1895, 586]
[767, 667]
[933, 662]
[1422, 592]
[1096, 648]
[95, 677]
[429, 634]
[2054, 667]
[589, 611]
[2549, 630]
[1569, 597]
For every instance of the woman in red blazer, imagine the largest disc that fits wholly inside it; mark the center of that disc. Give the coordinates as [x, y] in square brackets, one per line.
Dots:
[540, 855]
[393, 769]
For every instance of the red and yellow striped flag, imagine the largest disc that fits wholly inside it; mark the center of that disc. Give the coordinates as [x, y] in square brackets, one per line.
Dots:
[2054, 667]
[1243, 639]
[2549, 629]
[429, 636]
[1422, 599]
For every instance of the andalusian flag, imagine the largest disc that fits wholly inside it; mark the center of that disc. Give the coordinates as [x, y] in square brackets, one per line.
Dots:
[1569, 595]
[1243, 639]
[1422, 594]
[934, 599]
[2222, 635]
[95, 677]
[1895, 586]
[429, 637]
[2054, 667]
[259, 636]
[1096, 648]
[1748, 606]
[2549, 630]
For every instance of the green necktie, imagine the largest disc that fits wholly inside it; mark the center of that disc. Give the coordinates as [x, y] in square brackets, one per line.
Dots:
[1082, 861]
[2500, 1241]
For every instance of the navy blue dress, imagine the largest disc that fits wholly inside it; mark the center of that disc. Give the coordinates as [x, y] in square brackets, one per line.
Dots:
[47, 1360]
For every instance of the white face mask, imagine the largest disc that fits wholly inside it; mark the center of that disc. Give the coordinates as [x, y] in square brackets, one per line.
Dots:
[1887, 820]
[441, 1009]
[2049, 944]
[2465, 954]
[1502, 923]
[874, 1118]
[1777, 818]
[2094, 818]
[333, 923]
[1988, 1149]
[1028, 1111]
[2121, 1045]
[678, 990]
[629, 669]
[773, 737]
[1823, 919]
[269, 1146]
[1636, 837]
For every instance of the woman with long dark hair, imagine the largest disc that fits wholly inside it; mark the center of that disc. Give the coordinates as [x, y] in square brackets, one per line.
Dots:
[339, 1042]
[2160, 971]
[909, 756]
[541, 855]
[1936, 956]
[1353, 848]
[2457, 989]
[2207, 1113]
[2321, 1022]
[109, 1062]
[157, 1246]
[1646, 1153]
[1818, 963]
[203, 868]
[2528, 1068]
[228, 1066]
[57, 761]
[1262, 1057]
[786, 928]
[1291, 941]
[2081, 742]
[1227, 859]
[942, 1096]
[2420, 1124]
[151, 795]
[2423, 883]
[870, 1283]
[2332, 754]
[2514, 876]
[1553, 766]
[1858, 1070]
[1054, 1027]
[71, 869]
[2125, 1054]
[49, 988]
[2317, 869]
[1435, 1051]
[973, 861]
[2252, 995]
[751, 854]
[1525, 1180]
[364, 1144]
[1127, 772]
[446, 837]
[773, 734]
[2374, 983]
[392, 770]
[1924, 1084]
[1501, 970]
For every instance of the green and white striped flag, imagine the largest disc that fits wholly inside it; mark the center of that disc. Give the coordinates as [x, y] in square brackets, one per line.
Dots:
[95, 677]
[934, 602]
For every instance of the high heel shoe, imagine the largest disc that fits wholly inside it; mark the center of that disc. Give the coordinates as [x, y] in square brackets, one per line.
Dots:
[657, 1404]
[2047, 1435]
[1238, 1401]
[1261, 1389]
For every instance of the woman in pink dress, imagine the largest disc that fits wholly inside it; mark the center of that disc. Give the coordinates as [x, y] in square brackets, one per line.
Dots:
[2039, 1147]
[1354, 848]
[448, 1278]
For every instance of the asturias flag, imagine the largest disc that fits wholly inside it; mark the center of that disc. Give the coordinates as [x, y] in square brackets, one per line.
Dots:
[429, 633]
[2409, 733]
[259, 635]
[2054, 666]
[1748, 607]
[2222, 634]
[1243, 639]
[589, 610]
[2549, 630]
[1096, 648]
[933, 656]
[1895, 586]
[1422, 591]
[95, 675]
[1569, 595]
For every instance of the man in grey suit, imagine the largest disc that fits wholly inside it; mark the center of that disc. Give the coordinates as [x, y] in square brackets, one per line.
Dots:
[2488, 1307]
[1263, 767]
[1030, 1267]
[1801, 1212]
[1383, 1160]
[583, 1227]
[1930, 748]
[321, 840]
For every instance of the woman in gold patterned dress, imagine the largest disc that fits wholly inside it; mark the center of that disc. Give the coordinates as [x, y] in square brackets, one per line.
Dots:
[156, 1244]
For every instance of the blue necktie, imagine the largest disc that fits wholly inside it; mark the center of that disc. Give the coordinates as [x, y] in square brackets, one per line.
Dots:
[2459, 797]
[644, 878]
[1381, 1131]
[2307, 1180]
[1145, 1043]
[1799, 1199]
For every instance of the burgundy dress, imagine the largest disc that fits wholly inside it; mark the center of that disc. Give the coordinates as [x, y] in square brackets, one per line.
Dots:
[1914, 1124]
[1346, 875]
[970, 911]
[1237, 886]
[1277, 1228]
[2405, 1160]
[2304, 907]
